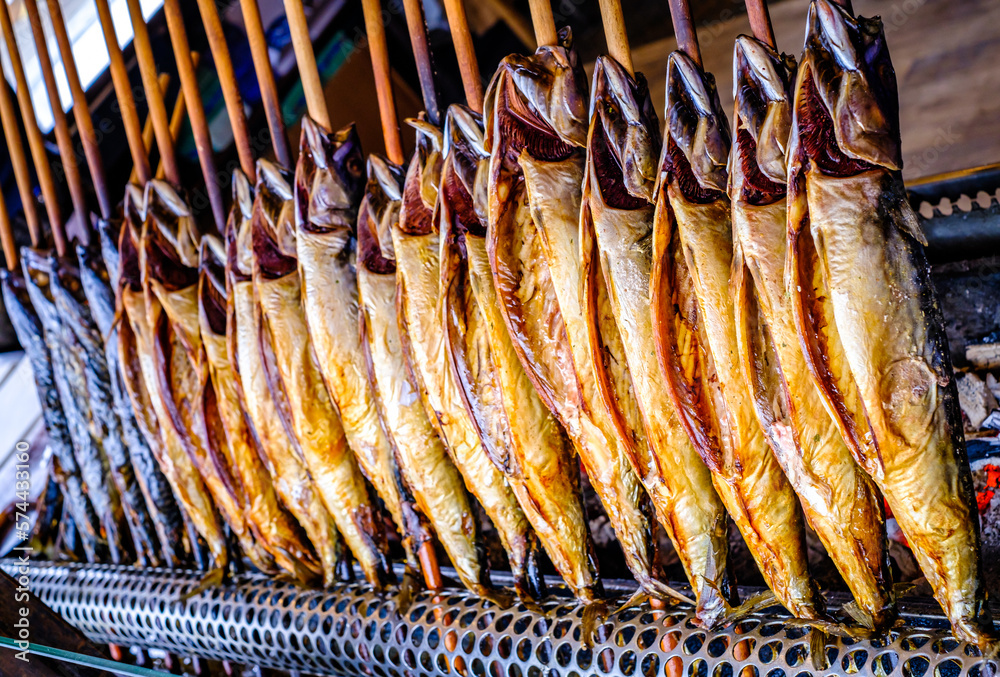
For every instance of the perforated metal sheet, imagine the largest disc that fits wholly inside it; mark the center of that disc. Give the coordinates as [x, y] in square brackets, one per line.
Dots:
[351, 631]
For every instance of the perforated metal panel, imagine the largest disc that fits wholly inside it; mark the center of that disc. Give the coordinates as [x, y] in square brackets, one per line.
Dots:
[350, 630]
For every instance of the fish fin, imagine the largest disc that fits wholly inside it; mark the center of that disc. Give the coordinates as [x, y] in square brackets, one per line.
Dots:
[817, 649]
[212, 579]
[594, 614]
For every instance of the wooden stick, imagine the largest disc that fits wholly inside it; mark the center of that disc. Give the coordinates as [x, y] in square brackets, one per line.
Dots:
[7, 236]
[22, 173]
[147, 128]
[35, 142]
[265, 80]
[154, 98]
[177, 116]
[230, 89]
[81, 111]
[312, 85]
[195, 110]
[760, 22]
[67, 152]
[383, 79]
[126, 100]
[414, 12]
[543, 22]
[468, 65]
[615, 34]
[687, 37]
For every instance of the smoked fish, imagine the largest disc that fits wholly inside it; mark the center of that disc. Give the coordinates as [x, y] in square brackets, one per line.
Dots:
[866, 310]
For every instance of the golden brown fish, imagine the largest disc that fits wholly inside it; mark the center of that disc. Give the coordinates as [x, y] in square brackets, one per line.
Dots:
[840, 502]
[310, 413]
[251, 356]
[622, 153]
[866, 310]
[434, 492]
[520, 435]
[536, 133]
[698, 347]
[417, 246]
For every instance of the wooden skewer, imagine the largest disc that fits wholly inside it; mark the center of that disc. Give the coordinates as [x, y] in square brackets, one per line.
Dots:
[687, 38]
[7, 236]
[195, 109]
[35, 142]
[543, 22]
[147, 128]
[67, 153]
[81, 111]
[306, 60]
[614, 32]
[265, 80]
[154, 98]
[468, 65]
[177, 116]
[22, 173]
[383, 79]
[230, 90]
[414, 12]
[760, 22]
[126, 101]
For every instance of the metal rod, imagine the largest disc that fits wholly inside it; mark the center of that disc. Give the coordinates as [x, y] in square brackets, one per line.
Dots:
[43, 170]
[615, 34]
[684, 31]
[265, 80]
[67, 153]
[312, 85]
[468, 65]
[414, 11]
[126, 99]
[154, 98]
[383, 79]
[760, 22]
[19, 160]
[230, 88]
[543, 22]
[177, 116]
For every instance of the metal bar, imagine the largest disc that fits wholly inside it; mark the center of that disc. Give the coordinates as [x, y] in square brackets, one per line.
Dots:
[80, 659]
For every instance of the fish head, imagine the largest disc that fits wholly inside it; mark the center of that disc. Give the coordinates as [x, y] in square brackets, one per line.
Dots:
[420, 188]
[273, 221]
[538, 103]
[329, 177]
[465, 166]
[170, 238]
[624, 144]
[378, 214]
[846, 101]
[239, 259]
[697, 129]
[212, 284]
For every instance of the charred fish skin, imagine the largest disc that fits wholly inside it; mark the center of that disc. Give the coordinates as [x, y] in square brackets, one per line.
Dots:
[848, 204]
[246, 345]
[520, 434]
[723, 425]
[329, 182]
[311, 415]
[434, 500]
[68, 361]
[622, 162]
[536, 133]
[31, 335]
[840, 501]
[417, 245]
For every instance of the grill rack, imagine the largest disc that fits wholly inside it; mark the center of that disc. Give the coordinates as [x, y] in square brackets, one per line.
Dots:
[350, 630]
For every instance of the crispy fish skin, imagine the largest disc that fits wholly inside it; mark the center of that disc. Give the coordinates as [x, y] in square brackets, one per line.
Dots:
[840, 501]
[311, 415]
[434, 490]
[722, 424]
[623, 150]
[326, 202]
[536, 133]
[517, 430]
[30, 334]
[849, 219]
[417, 245]
[247, 343]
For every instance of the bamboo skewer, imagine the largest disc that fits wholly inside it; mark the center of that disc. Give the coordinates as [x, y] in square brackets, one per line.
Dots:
[687, 38]
[306, 60]
[67, 153]
[543, 22]
[7, 236]
[468, 65]
[147, 130]
[383, 79]
[177, 116]
[81, 111]
[35, 142]
[22, 173]
[265, 80]
[614, 32]
[230, 90]
[195, 109]
[414, 12]
[760, 22]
